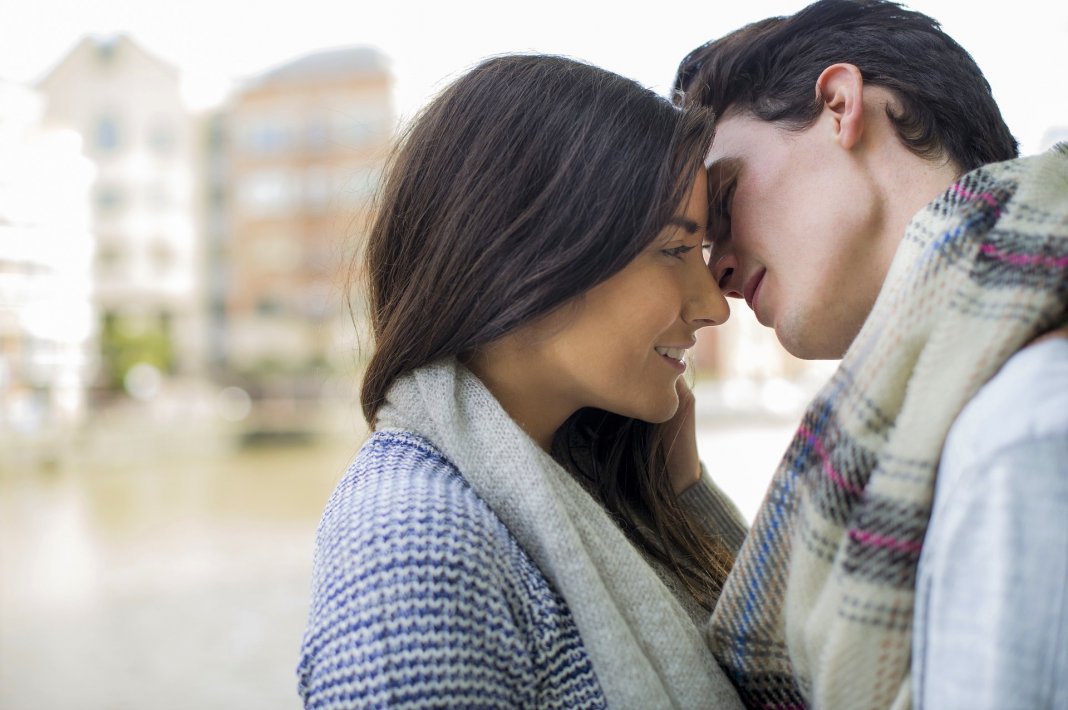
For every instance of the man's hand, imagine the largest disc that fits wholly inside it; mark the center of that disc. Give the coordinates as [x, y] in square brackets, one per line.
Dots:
[680, 441]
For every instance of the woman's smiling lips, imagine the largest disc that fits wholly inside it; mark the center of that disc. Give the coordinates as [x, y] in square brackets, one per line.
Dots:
[674, 356]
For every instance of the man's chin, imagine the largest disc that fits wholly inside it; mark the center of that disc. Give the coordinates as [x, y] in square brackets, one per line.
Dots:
[810, 343]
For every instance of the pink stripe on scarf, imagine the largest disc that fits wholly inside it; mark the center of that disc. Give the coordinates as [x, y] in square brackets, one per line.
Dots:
[1024, 259]
[827, 467]
[984, 196]
[871, 539]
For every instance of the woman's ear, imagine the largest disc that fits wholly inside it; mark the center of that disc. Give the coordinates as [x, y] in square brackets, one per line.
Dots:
[840, 88]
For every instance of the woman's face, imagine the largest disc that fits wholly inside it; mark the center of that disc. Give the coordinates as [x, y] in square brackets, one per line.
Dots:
[621, 346]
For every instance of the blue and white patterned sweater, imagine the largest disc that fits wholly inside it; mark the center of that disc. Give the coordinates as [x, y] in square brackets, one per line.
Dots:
[422, 598]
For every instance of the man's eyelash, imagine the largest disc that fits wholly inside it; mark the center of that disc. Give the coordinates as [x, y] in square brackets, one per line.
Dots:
[725, 202]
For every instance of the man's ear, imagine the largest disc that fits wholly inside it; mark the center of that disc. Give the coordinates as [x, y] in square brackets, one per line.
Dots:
[840, 88]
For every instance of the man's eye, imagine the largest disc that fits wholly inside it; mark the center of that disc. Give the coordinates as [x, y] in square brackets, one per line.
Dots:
[725, 203]
[721, 217]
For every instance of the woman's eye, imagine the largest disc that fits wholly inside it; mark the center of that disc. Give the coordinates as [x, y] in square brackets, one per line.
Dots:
[676, 252]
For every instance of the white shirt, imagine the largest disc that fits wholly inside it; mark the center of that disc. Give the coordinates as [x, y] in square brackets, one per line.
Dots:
[991, 622]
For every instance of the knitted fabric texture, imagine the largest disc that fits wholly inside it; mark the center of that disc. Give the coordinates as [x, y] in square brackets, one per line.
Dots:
[645, 650]
[422, 598]
[818, 608]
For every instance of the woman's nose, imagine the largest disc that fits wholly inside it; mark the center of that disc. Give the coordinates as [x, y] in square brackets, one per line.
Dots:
[706, 304]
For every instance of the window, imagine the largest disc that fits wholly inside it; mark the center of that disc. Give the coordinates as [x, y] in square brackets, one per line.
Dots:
[162, 139]
[279, 252]
[317, 188]
[110, 257]
[361, 132]
[320, 301]
[316, 133]
[322, 254]
[105, 50]
[108, 198]
[267, 137]
[163, 256]
[267, 192]
[106, 134]
[269, 306]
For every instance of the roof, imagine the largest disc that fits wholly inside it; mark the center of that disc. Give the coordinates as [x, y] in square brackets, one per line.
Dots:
[104, 48]
[326, 64]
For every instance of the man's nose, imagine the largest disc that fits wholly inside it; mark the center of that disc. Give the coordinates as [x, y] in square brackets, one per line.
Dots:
[725, 271]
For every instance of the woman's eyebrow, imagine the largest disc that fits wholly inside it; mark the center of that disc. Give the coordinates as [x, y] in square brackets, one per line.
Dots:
[688, 224]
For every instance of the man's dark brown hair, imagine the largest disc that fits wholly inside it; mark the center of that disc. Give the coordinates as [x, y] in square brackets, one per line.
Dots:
[769, 69]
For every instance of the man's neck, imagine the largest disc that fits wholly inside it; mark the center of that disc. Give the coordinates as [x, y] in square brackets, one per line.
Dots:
[912, 184]
[929, 180]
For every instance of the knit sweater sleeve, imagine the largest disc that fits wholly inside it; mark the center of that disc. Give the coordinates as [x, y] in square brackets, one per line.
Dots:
[422, 598]
[710, 507]
[418, 599]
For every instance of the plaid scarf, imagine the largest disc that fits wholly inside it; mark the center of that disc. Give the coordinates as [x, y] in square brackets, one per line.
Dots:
[818, 609]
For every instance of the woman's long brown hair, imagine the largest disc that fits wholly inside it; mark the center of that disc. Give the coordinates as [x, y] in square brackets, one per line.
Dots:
[524, 184]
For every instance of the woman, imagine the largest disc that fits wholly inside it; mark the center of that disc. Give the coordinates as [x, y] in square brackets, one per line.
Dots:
[510, 534]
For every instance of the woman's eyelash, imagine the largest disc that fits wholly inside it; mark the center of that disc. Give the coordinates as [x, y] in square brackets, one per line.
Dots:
[676, 252]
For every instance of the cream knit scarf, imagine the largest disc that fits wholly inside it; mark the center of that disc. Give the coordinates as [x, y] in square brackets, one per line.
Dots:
[818, 608]
[645, 649]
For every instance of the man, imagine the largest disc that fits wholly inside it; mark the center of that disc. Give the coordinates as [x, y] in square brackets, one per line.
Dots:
[913, 546]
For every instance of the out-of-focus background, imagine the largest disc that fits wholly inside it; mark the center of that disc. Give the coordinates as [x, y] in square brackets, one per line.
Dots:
[181, 188]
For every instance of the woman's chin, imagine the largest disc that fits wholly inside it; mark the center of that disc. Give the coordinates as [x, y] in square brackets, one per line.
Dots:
[656, 412]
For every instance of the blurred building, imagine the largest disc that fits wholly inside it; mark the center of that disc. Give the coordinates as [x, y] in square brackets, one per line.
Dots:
[214, 194]
[126, 105]
[45, 261]
[304, 144]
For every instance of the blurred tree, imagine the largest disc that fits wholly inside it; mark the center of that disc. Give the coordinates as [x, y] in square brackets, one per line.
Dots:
[124, 344]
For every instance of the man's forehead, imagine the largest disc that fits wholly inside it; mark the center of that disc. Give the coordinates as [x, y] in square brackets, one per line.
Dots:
[726, 142]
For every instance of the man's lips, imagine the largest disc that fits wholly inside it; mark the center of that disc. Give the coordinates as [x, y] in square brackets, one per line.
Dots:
[751, 286]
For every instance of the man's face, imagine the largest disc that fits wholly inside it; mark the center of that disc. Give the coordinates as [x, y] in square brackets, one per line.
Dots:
[794, 220]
